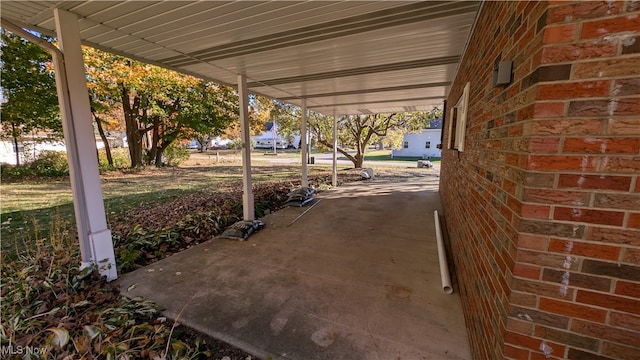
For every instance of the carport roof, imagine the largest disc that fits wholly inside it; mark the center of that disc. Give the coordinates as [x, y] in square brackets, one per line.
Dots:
[347, 57]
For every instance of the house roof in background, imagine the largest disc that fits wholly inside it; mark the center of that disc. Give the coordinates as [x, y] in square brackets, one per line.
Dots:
[347, 57]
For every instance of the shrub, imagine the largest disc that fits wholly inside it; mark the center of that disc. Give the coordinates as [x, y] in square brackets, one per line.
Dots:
[12, 172]
[174, 154]
[120, 158]
[50, 164]
[236, 144]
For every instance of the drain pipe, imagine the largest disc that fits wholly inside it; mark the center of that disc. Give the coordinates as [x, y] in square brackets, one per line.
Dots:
[442, 257]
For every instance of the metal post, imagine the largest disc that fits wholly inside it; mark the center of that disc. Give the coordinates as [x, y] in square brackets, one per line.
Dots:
[247, 190]
[334, 179]
[96, 245]
[303, 144]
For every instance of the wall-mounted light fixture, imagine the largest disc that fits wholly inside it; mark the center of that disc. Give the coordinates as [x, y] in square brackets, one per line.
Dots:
[502, 73]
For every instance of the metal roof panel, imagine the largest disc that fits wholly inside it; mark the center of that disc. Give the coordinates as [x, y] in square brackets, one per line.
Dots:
[347, 56]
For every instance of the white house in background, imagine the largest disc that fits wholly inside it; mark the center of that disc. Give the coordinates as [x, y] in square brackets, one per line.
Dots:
[423, 144]
[29, 150]
[266, 139]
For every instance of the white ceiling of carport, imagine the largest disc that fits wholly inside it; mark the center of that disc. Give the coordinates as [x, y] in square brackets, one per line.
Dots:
[345, 56]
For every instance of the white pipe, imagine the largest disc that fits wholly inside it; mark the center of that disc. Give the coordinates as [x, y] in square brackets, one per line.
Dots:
[442, 257]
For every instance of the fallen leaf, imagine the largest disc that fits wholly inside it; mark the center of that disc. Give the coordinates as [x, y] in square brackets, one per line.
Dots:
[91, 331]
[132, 287]
[59, 337]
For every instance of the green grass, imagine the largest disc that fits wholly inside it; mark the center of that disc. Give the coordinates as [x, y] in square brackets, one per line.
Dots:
[385, 155]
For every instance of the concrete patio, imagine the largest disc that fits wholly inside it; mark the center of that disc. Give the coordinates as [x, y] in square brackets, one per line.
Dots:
[356, 277]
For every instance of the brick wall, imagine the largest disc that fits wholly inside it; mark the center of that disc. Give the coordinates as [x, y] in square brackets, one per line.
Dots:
[543, 205]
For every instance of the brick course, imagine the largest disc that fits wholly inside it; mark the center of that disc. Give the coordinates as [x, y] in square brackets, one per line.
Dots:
[543, 206]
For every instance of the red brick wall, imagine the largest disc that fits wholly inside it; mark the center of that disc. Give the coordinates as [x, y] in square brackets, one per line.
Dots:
[543, 206]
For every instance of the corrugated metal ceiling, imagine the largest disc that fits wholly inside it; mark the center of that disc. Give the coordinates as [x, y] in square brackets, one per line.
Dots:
[346, 57]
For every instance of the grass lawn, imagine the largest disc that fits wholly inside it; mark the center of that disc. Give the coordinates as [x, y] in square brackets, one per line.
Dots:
[385, 155]
[29, 207]
[255, 154]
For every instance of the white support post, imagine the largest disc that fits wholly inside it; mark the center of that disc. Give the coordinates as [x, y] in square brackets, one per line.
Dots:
[303, 144]
[334, 178]
[96, 245]
[247, 190]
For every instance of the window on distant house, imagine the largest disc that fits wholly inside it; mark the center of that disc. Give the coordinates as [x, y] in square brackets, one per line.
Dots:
[427, 145]
[406, 145]
[458, 121]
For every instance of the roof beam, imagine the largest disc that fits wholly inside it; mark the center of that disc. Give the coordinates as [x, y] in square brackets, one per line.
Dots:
[407, 100]
[405, 65]
[368, 91]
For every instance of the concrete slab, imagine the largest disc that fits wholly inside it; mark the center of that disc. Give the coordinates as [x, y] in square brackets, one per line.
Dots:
[356, 277]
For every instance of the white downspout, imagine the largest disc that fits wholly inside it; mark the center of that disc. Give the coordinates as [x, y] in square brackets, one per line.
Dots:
[96, 245]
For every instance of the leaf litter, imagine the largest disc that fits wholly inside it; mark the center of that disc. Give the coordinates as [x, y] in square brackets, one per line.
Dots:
[53, 310]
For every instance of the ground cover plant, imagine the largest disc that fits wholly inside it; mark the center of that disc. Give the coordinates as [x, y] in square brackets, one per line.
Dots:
[52, 310]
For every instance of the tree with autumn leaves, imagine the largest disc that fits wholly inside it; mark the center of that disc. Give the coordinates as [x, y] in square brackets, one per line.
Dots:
[159, 106]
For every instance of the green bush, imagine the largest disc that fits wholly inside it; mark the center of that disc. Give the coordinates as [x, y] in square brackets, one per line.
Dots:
[120, 158]
[12, 172]
[236, 144]
[174, 154]
[50, 164]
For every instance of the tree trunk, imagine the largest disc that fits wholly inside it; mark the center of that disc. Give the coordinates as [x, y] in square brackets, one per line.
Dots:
[359, 160]
[158, 159]
[15, 143]
[107, 146]
[342, 151]
[155, 141]
[202, 142]
[134, 138]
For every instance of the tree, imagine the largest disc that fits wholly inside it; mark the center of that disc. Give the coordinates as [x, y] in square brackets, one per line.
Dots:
[288, 118]
[209, 109]
[199, 109]
[97, 109]
[159, 106]
[29, 90]
[107, 76]
[357, 132]
[260, 108]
